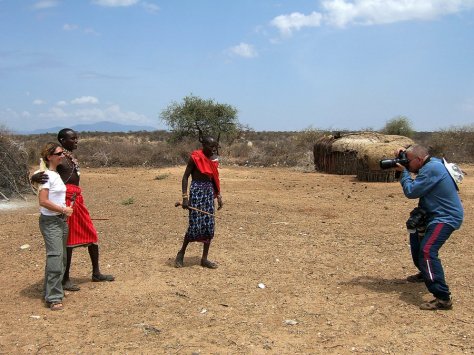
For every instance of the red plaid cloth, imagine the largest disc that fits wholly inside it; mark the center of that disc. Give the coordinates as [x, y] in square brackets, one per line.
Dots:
[81, 228]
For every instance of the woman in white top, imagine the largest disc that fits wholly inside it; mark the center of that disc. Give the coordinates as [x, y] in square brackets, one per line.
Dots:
[53, 226]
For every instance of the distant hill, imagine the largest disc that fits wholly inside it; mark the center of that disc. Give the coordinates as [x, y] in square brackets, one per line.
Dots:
[103, 126]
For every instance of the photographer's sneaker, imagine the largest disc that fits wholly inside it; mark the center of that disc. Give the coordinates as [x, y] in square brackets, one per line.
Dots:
[416, 278]
[437, 304]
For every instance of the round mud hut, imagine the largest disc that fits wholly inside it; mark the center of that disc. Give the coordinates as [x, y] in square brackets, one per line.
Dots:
[358, 154]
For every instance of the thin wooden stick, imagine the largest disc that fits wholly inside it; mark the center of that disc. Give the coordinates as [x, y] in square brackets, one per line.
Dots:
[194, 208]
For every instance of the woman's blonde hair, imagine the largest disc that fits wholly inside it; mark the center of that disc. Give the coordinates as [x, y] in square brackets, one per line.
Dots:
[48, 150]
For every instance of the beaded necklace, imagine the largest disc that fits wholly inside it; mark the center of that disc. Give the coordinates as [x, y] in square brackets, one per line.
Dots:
[70, 159]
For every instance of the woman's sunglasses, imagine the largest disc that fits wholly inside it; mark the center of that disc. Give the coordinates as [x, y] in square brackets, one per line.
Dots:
[58, 153]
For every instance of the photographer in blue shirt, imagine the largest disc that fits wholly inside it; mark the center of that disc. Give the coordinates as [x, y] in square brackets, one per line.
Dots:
[441, 213]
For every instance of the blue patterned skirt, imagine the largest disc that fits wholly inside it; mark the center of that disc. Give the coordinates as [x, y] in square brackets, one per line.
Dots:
[201, 225]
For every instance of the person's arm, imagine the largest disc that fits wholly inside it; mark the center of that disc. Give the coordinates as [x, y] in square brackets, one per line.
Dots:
[184, 182]
[44, 201]
[39, 177]
[220, 203]
[421, 185]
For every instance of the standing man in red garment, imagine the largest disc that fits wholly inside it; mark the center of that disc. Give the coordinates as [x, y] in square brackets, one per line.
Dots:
[205, 187]
[81, 229]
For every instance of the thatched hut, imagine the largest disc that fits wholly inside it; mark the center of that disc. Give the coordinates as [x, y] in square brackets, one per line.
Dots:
[358, 154]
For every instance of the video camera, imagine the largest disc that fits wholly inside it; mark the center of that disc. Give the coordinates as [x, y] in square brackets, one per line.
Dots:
[392, 163]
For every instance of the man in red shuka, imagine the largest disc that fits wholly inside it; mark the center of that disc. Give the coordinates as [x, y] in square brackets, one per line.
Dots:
[81, 229]
[205, 187]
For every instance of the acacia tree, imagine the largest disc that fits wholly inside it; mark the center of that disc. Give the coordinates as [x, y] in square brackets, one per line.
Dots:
[195, 117]
[399, 125]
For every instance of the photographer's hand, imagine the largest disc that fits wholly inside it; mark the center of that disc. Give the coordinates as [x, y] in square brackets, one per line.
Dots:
[399, 167]
[398, 151]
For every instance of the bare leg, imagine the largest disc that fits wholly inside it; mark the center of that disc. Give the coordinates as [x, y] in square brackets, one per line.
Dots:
[68, 265]
[93, 250]
[97, 276]
[204, 261]
[67, 283]
[179, 261]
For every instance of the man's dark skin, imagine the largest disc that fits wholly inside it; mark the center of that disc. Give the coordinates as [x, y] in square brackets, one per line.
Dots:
[209, 148]
[69, 175]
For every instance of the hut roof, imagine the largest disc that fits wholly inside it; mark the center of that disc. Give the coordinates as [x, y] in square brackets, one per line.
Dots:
[360, 141]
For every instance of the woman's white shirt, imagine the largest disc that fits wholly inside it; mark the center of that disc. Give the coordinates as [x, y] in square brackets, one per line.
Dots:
[57, 192]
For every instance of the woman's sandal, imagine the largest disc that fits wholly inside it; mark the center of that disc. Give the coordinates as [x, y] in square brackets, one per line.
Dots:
[56, 306]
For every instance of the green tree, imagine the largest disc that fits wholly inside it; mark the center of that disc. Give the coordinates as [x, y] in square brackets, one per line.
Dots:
[195, 116]
[400, 126]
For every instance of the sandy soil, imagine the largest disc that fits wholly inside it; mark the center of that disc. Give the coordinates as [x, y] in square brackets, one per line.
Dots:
[332, 253]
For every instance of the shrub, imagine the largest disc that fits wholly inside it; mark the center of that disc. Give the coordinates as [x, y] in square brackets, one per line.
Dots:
[291, 149]
[14, 167]
[400, 126]
[455, 144]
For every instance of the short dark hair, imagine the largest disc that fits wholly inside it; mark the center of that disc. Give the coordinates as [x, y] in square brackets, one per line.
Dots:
[208, 139]
[63, 133]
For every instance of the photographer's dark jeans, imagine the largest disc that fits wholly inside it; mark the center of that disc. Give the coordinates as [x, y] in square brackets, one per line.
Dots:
[425, 257]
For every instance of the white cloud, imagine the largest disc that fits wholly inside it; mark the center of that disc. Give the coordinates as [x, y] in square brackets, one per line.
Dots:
[244, 50]
[91, 31]
[89, 114]
[54, 113]
[70, 27]
[61, 103]
[115, 3]
[45, 4]
[115, 112]
[59, 114]
[372, 12]
[111, 113]
[152, 8]
[342, 13]
[12, 119]
[87, 30]
[38, 102]
[295, 21]
[85, 100]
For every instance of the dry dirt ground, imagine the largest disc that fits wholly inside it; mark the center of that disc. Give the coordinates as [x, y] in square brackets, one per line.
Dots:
[332, 253]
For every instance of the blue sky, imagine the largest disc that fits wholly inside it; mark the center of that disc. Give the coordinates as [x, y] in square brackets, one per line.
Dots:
[285, 65]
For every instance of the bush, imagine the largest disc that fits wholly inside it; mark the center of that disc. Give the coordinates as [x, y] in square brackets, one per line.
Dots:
[400, 126]
[14, 167]
[290, 149]
[456, 144]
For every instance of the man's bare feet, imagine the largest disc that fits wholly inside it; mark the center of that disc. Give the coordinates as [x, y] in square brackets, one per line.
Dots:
[102, 278]
[179, 261]
[69, 286]
[209, 264]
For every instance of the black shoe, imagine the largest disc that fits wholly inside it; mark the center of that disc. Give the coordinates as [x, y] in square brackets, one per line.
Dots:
[437, 304]
[416, 278]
